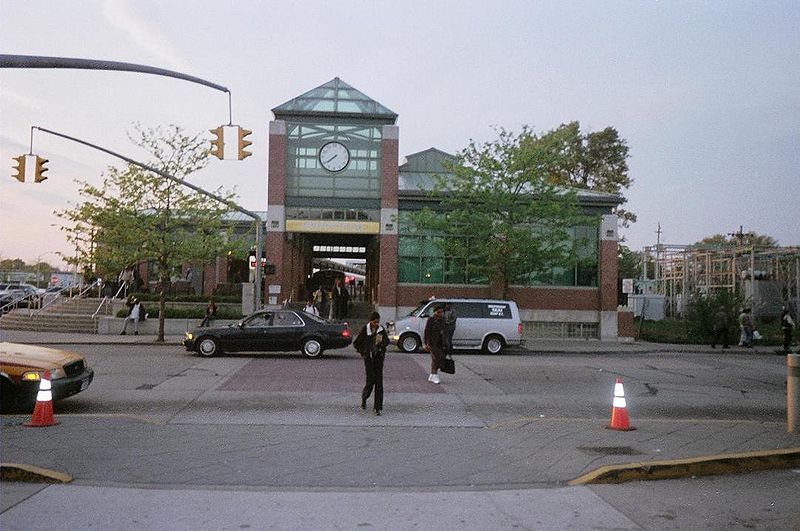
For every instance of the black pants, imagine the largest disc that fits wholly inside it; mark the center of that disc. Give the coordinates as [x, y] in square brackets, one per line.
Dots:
[720, 335]
[787, 340]
[373, 367]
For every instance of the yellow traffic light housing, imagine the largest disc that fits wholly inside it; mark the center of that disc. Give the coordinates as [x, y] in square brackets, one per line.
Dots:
[20, 168]
[40, 169]
[243, 143]
[218, 144]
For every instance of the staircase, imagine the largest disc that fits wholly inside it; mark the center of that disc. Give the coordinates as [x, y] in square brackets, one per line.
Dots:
[65, 315]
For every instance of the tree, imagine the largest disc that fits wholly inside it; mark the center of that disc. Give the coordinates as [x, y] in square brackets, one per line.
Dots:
[741, 239]
[593, 161]
[137, 216]
[499, 218]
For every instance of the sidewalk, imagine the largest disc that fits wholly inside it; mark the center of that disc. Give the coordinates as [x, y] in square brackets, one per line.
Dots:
[550, 346]
[313, 459]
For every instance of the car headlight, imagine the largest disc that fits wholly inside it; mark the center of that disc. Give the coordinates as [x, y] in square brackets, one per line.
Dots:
[35, 376]
[189, 336]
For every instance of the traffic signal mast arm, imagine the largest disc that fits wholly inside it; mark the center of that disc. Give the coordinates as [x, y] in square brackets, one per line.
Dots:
[229, 203]
[165, 175]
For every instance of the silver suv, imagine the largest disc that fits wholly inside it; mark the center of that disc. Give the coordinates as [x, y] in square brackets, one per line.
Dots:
[486, 324]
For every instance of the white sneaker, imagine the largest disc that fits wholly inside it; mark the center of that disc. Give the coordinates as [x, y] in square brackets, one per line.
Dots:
[430, 377]
[435, 378]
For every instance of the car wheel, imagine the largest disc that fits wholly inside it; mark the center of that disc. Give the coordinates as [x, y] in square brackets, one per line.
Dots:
[408, 343]
[493, 344]
[312, 348]
[208, 347]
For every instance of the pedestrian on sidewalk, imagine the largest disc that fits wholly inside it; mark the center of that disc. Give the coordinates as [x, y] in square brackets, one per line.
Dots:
[310, 308]
[211, 313]
[746, 328]
[787, 325]
[133, 315]
[450, 318]
[433, 338]
[720, 328]
[371, 344]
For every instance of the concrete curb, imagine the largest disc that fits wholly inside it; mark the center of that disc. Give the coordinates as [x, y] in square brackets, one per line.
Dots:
[31, 474]
[697, 466]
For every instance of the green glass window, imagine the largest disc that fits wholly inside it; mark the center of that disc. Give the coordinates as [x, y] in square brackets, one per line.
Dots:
[305, 176]
[421, 260]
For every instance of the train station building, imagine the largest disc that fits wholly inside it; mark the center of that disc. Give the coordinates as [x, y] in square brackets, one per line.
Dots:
[337, 188]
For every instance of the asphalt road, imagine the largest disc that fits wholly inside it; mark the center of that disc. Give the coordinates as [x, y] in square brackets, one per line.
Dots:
[171, 440]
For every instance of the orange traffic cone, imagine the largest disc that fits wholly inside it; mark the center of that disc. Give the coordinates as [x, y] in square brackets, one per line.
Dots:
[43, 412]
[619, 415]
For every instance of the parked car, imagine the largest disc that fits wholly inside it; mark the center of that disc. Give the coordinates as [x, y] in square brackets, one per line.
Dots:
[487, 324]
[22, 368]
[20, 294]
[271, 330]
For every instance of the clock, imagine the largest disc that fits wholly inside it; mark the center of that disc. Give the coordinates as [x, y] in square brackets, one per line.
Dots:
[334, 156]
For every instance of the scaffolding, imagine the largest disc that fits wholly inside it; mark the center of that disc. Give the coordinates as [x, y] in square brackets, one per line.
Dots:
[767, 278]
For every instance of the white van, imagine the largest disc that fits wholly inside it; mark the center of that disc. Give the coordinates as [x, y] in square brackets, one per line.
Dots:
[484, 324]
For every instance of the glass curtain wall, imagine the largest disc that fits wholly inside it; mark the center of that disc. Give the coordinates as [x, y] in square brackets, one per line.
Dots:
[305, 177]
[421, 260]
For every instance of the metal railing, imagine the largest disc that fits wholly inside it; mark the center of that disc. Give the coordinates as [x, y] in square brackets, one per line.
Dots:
[100, 307]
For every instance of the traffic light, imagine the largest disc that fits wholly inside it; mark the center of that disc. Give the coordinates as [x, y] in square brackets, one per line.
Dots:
[243, 133]
[40, 169]
[20, 176]
[218, 144]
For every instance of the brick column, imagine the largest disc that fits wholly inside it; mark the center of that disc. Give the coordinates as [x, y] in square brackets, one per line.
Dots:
[387, 274]
[608, 271]
[275, 245]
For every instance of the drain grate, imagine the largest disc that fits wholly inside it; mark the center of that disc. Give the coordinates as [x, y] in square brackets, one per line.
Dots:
[609, 450]
[146, 387]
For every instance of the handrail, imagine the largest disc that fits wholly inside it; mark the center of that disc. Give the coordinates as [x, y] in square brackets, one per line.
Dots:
[49, 303]
[14, 302]
[102, 302]
[121, 287]
[88, 288]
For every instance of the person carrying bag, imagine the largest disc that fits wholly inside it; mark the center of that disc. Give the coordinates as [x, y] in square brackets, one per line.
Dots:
[371, 343]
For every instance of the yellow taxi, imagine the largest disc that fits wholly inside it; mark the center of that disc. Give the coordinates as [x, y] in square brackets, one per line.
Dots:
[22, 367]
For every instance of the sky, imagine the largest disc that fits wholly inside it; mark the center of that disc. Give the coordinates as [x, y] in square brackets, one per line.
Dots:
[706, 94]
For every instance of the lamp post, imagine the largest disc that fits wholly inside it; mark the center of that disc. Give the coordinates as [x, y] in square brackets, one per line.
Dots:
[38, 266]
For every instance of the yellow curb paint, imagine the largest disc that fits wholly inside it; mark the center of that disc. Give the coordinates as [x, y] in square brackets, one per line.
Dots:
[31, 474]
[696, 466]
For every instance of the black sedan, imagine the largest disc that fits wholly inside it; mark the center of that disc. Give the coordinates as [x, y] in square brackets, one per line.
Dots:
[271, 330]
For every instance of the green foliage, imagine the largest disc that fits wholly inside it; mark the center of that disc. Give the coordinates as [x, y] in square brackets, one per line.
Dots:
[700, 314]
[145, 296]
[629, 262]
[698, 327]
[137, 216]
[188, 313]
[743, 239]
[497, 213]
[593, 161]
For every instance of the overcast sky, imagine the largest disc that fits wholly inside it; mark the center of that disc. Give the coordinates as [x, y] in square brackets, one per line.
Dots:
[707, 94]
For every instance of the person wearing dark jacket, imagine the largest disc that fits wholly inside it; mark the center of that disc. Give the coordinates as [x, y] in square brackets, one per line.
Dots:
[371, 344]
[787, 325]
[720, 328]
[434, 343]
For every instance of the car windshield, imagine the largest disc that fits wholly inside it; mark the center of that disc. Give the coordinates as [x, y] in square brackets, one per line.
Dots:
[416, 311]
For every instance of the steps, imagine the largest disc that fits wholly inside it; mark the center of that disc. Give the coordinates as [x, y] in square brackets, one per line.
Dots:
[67, 315]
[48, 322]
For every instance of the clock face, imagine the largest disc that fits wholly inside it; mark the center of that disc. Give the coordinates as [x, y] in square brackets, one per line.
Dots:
[334, 156]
